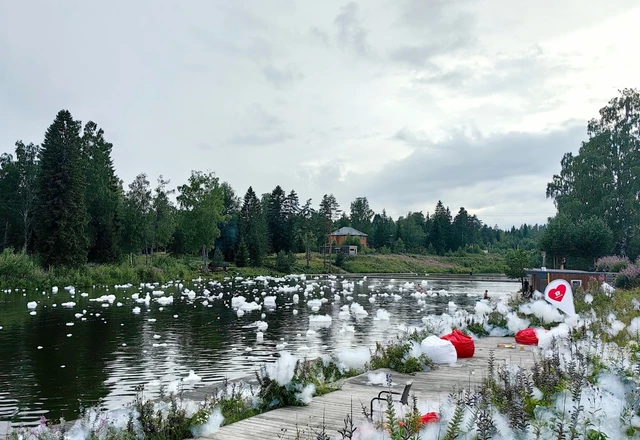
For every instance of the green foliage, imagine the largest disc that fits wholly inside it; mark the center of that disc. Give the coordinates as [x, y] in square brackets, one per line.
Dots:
[516, 261]
[581, 241]
[477, 329]
[218, 258]
[285, 261]
[600, 180]
[137, 216]
[164, 216]
[102, 196]
[397, 356]
[497, 320]
[253, 229]
[22, 271]
[16, 269]
[361, 215]
[23, 197]
[352, 241]
[340, 257]
[61, 216]
[242, 258]
[382, 263]
[175, 425]
[202, 209]
[398, 246]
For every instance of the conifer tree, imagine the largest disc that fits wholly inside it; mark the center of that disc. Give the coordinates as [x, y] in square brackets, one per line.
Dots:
[253, 228]
[61, 217]
[102, 195]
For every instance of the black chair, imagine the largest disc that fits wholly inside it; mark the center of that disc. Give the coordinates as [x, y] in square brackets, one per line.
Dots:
[404, 396]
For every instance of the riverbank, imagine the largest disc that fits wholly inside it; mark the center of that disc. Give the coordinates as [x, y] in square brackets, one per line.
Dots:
[23, 271]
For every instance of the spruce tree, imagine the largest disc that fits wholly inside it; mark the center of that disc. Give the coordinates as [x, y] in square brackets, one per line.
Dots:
[253, 229]
[61, 235]
[102, 196]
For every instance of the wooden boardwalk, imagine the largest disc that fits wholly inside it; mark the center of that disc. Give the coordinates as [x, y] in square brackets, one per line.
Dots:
[433, 386]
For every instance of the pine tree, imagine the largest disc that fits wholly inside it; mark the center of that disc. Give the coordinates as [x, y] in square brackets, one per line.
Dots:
[61, 218]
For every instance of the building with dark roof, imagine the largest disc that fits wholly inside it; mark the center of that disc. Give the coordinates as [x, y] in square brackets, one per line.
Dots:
[345, 232]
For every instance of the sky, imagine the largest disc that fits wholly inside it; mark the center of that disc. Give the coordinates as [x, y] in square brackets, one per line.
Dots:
[405, 102]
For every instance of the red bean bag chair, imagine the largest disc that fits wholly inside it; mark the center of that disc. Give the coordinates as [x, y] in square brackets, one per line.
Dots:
[463, 344]
[527, 337]
[429, 417]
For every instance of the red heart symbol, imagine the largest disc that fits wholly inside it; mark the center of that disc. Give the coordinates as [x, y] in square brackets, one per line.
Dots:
[558, 293]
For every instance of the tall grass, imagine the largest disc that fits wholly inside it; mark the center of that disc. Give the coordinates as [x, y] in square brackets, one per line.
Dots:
[18, 270]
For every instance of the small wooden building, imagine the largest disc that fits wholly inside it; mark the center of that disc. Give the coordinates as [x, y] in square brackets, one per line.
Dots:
[343, 233]
[347, 250]
[539, 278]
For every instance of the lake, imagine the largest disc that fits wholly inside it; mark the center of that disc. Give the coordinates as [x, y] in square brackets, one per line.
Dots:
[93, 346]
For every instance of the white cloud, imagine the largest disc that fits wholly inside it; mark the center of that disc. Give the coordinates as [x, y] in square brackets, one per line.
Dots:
[354, 98]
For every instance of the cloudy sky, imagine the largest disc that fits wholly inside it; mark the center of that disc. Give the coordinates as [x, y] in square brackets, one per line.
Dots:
[406, 102]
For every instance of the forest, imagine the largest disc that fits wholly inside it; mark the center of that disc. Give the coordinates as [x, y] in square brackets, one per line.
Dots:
[62, 203]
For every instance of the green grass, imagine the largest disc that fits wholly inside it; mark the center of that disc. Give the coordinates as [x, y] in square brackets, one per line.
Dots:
[396, 263]
[23, 271]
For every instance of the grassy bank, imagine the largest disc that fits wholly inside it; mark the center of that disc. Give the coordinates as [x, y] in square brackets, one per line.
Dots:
[23, 271]
[375, 263]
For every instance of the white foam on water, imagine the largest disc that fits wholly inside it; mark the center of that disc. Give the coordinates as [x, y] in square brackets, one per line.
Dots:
[283, 369]
[192, 377]
[382, 315]
[353, 358]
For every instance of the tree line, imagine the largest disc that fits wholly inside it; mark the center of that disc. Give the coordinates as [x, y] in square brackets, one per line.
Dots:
[62, 202]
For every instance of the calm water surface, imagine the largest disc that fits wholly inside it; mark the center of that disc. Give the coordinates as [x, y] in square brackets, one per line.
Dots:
[96, 352]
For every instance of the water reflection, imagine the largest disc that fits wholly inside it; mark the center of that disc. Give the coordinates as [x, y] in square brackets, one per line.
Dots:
[50, 367]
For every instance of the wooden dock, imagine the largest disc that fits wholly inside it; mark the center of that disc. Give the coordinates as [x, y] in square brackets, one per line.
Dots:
[331, 409]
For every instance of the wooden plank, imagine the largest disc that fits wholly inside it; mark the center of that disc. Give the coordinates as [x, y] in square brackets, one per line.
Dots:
[434, 386]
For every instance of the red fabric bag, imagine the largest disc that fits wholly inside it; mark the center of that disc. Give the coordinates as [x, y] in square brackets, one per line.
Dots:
[527, 337]
[463, 344]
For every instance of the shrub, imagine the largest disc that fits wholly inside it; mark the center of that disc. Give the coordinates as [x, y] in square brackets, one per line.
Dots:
[285, 261]
[397, 356]
[274, 395]
[218, 258]
[477, 329]
[18, 268]
[629, 277]
[612, 263]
